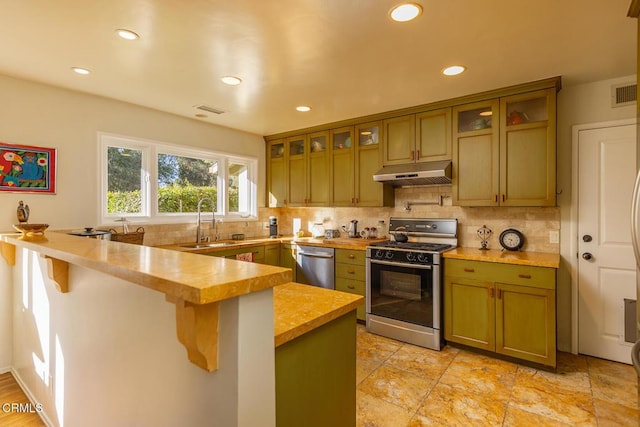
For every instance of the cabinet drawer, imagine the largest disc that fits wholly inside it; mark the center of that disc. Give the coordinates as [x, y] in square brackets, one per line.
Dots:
[351, 286]
[537, 277]
[350, 256]
[350, 271]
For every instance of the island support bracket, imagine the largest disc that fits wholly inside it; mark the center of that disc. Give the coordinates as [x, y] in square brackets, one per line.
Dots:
[8, 252]
[197, 328]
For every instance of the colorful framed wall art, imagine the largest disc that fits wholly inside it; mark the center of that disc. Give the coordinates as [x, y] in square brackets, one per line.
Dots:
[27, 169]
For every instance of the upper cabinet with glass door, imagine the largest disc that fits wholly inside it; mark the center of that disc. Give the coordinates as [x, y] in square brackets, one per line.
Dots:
[476, 154]
[342, 168]
[368, 160]
[318, 170]
[528, 149]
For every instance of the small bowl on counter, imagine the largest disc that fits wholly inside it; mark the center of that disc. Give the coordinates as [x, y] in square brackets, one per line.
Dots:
[31, 231]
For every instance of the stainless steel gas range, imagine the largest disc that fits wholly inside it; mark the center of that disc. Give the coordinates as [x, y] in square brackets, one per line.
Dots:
[404, 280]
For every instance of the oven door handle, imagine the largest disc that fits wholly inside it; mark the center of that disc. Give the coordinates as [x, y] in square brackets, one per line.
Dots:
[397, 264]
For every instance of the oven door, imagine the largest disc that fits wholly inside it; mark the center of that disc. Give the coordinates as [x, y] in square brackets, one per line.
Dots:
[405, 292]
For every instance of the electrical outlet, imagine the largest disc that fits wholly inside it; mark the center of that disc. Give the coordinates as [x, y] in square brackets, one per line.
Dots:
[554, 236]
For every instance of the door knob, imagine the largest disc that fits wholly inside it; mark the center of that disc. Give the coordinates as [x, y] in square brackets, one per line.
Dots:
[587, 256]
[587, 238]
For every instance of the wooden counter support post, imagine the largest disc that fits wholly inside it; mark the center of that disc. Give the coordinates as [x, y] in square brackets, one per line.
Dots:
[197, 327]
[8, 252]
[58, 272]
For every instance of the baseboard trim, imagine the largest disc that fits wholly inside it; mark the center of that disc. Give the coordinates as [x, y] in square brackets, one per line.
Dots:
[43, 416]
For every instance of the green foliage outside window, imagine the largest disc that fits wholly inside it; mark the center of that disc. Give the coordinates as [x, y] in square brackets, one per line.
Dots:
[171, 199]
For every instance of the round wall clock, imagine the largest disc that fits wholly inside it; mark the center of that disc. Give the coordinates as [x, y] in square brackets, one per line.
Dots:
[511, 239]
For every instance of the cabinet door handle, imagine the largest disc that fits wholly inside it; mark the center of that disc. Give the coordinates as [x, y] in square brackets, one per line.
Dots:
[351, 272]
[351, 287]
[412, 155]
[495, 198]
[469, 269]
[490, 292]
[499, 294]
[504, 198]
[357, 200]
[524, 276]
[351, 256]
[417, 154]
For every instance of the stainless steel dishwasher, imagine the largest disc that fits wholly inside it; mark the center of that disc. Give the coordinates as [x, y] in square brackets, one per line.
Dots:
[315, 266]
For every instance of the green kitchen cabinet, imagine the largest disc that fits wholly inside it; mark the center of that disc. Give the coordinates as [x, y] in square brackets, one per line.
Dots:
[421, 137]
[272, 254]
[258, 253]
[476, 154]
[316, 377]
[288, 252]
[368, 161]
[342, 167]
[504, 151]
[318, 192]
[276, 174]
[433, 135]
[528, 149]
[296, 148]
[504, 308]
[350, 271]
[399, 135]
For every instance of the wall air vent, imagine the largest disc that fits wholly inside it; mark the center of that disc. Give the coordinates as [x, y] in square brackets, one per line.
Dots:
[623, 94]
[208, 109]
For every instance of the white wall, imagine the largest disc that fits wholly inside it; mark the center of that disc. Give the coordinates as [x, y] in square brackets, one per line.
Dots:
[40, 115]
[580, 104]
[107, 354]
[46, 116]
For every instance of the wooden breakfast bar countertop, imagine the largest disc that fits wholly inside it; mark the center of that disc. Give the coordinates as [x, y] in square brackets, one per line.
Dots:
[195, 284]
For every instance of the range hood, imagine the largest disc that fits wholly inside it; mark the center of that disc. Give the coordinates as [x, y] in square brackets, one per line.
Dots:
[428, 173]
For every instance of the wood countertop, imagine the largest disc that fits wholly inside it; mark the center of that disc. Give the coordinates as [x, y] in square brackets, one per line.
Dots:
[536, 259]
[337, 243]
[299, 309]
[196, 279]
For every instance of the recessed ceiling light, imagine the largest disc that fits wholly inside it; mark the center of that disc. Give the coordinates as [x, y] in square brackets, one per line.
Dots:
[201, 116]
[405, 12]
[127, 34]
[303, 108]
[454, 70]
[80, 70]
[231, 80]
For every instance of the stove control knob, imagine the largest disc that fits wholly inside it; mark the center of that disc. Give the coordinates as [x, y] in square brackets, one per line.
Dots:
[379, 253]
[388, 255]
[411, 256]
[423, 257]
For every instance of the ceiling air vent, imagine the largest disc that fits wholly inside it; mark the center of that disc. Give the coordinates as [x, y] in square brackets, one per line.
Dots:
[208, 109]
[623, 94]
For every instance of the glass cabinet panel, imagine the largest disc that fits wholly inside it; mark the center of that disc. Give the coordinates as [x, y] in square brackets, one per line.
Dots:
[478, 119]
[318, 144]
[277, 150]
[341, 140]
[296, 147]
[368, 135]
[527, 111]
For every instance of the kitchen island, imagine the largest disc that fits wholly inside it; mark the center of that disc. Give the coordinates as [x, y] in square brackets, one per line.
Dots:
[92, 332]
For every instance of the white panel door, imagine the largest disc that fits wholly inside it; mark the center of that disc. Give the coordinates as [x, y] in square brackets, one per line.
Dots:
[606, 263]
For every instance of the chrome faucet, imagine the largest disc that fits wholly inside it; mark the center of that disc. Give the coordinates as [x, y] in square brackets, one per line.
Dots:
[199, 237]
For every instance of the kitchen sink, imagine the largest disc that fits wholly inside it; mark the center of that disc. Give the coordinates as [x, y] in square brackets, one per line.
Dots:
[207, 245]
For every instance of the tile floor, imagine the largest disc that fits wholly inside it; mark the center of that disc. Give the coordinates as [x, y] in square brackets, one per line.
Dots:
[402, 385]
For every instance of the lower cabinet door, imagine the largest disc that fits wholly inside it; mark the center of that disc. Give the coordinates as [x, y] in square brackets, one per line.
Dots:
[525, 323]
[469, 312]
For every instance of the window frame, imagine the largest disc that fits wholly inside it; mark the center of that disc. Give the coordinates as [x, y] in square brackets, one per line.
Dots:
[149, 177]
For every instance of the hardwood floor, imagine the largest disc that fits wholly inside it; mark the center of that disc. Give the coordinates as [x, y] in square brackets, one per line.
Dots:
[20, 415]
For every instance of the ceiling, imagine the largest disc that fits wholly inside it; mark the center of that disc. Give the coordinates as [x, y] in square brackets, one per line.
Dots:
[344, 58]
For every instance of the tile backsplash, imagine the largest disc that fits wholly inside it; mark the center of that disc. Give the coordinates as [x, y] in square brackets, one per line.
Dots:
[535, 223]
